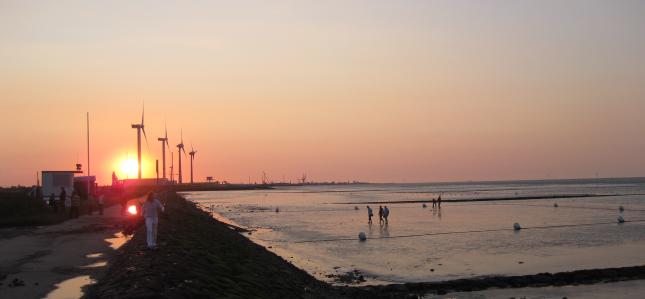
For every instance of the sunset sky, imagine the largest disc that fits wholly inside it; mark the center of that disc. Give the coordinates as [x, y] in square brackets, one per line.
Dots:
[380, 91]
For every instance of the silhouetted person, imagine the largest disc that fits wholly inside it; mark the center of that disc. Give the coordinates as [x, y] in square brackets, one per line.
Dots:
[380, 214]
[124, 204]
[90, 203]
[439, 202]
[76, 205]
[386, 213]
[434, 203]
[52, 203]
[151, 209]
[100, 201]
[62, 198]
[369, 215]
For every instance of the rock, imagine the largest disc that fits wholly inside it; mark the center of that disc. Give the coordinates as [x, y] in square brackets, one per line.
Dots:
[362, 236]
[516, 226]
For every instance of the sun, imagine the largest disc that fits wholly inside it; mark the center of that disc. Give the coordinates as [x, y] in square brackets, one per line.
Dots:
[129, 168]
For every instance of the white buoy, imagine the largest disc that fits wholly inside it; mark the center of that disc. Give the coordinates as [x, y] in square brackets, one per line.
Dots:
[621, 219]
[555, 205]
[621, 209]
[516, 226]
[361, 236]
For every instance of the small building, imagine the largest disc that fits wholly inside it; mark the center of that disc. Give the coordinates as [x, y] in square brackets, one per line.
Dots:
[54, 180]
[82, 183]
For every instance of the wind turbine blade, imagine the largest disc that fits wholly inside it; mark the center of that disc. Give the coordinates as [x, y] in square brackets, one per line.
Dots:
[146, 137]
[143, 112]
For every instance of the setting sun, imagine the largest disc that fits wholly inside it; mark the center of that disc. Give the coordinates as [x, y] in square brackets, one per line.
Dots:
[128, 168]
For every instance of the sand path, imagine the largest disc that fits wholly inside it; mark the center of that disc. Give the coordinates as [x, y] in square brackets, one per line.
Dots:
[55, 261]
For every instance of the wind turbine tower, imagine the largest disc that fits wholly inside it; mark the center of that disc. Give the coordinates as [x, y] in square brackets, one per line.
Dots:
[192, 157]
[180, 148]
[164, 144]
[140, 127]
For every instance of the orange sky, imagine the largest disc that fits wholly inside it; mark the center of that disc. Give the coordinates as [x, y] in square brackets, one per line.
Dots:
[343, 90]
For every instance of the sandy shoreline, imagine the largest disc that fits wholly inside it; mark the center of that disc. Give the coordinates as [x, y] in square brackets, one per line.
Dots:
[41, 259]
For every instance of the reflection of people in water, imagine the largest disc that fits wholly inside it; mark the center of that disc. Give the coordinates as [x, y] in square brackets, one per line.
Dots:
[384, 231]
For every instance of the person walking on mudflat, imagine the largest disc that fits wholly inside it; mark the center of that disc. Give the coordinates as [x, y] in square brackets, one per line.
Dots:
[369, 215]
[151, 209]
[386, 213]
[380, 214]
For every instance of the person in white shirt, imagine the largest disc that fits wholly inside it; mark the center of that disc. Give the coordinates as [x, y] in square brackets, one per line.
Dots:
[151, 209]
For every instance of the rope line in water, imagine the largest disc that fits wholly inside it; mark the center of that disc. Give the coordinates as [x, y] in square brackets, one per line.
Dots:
[449, 233]
[414, 207]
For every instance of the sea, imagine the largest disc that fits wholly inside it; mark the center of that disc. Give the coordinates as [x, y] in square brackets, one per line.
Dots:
[564, 225]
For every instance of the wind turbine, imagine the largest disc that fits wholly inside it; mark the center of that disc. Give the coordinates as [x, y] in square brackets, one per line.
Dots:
[192, 157]
[164, 144]
[172, 166]
[140, 127]
[180, 148]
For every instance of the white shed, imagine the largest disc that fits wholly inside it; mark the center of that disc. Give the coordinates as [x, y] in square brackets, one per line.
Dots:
[54, 180]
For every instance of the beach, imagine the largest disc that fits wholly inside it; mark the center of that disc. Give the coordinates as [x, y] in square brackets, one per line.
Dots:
[200, 257]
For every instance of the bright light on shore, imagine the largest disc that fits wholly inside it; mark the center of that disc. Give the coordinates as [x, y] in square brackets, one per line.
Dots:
[132, 210]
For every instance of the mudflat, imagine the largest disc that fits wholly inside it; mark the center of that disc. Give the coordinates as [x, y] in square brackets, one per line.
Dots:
[35, 261]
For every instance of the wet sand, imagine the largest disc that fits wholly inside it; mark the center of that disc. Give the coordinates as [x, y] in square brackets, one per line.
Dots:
[201, 257]
[56, 261]
[614, 290]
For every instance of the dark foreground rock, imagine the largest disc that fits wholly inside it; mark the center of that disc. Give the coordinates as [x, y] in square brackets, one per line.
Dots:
[200, 257]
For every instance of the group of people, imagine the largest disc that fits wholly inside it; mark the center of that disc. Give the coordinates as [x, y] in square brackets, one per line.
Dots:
[383, 214]
[72, 204]
[436, 203]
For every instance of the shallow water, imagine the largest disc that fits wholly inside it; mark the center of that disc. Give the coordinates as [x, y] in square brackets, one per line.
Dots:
[71, 288]
[317, 227]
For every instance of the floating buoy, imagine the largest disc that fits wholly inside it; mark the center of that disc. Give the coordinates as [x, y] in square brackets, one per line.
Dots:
[277, 210]
[361, 236]
[516, 226]
[424, 206]
[621, 219]
[621, 209]
[555, 205]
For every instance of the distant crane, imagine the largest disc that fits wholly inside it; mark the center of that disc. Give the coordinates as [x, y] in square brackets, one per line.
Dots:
[192, 157]
[140, 127]
[180, 148]
[164, 144]
[303, 179]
